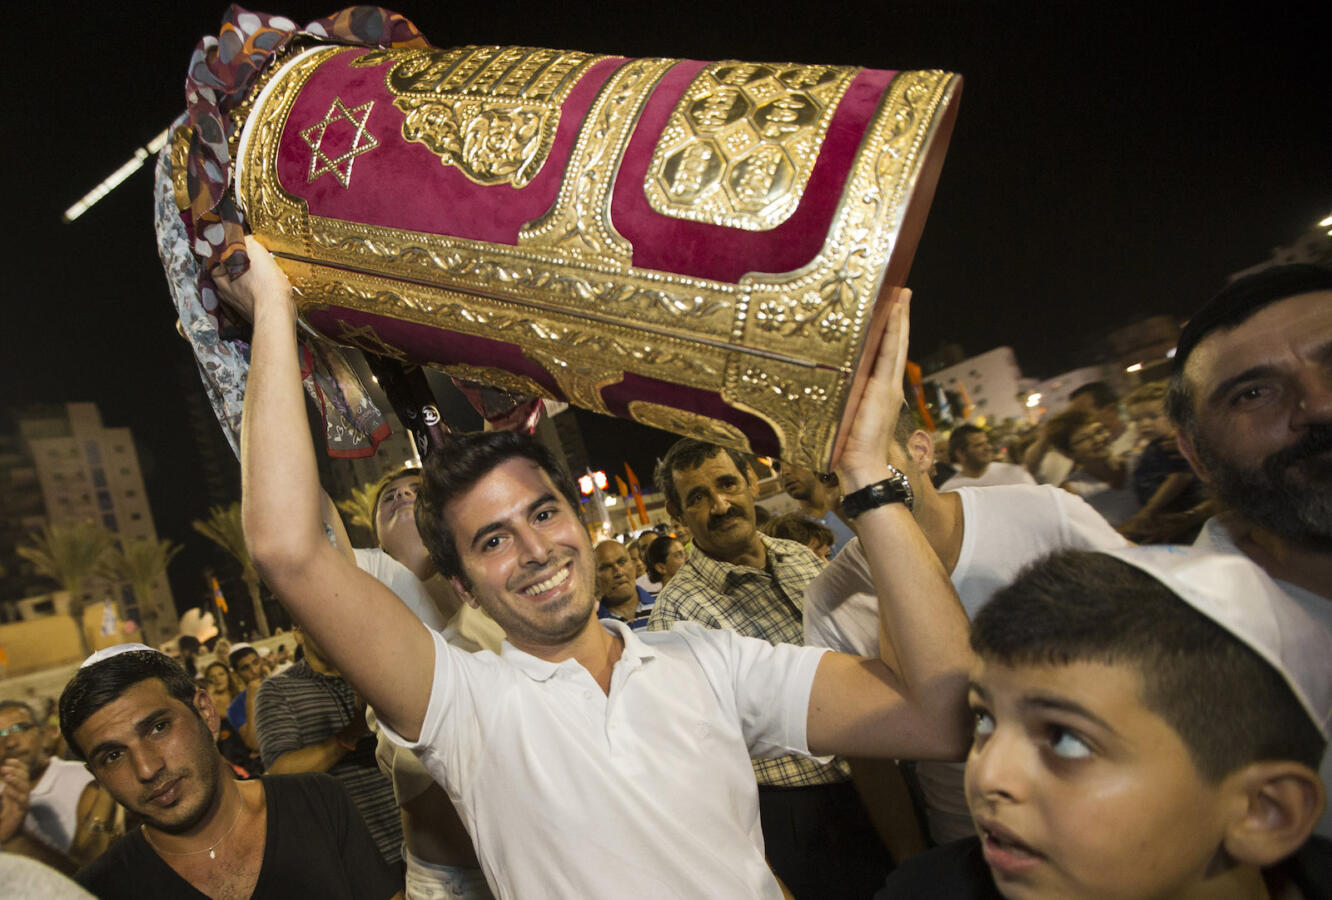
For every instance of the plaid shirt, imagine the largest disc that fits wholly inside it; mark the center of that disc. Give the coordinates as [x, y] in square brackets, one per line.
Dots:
[762, 603]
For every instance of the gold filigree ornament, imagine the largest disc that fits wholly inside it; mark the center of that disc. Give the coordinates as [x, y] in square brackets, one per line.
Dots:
[500, 379]
[681, 421]
[340, 166]
[491, 112]
[742, 141]
[580, 218]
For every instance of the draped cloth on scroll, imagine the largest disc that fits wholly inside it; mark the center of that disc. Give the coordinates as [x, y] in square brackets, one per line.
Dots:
[700, 247]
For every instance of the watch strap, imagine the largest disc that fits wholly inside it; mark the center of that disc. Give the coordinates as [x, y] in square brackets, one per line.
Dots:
[893, 489]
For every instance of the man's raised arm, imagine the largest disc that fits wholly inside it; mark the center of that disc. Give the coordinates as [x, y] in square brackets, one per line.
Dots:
[380, 647]
[913, 707]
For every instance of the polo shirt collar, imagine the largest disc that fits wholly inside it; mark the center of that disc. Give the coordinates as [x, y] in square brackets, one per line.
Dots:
[538, 669]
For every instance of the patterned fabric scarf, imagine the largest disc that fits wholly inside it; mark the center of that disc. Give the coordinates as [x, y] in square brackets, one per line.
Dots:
[206, 229]
[203, 228]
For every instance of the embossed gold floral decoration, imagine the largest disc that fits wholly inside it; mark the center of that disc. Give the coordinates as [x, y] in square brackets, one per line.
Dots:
[490, 111]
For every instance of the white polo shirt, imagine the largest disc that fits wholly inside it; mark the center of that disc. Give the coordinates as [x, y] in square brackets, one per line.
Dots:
[646, 792]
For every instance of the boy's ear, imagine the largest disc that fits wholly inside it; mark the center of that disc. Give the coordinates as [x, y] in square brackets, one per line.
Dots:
[1281, 803]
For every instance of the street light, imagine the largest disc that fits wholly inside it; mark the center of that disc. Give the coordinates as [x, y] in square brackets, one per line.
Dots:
[108, 184]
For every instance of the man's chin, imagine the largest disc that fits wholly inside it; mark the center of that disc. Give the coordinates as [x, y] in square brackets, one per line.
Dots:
[178, 820]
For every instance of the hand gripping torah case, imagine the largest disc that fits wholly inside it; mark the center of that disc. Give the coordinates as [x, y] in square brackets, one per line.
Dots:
[701, 247]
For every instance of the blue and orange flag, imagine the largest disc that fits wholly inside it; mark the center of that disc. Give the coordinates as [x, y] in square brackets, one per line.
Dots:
[218, 597]
[637, 492]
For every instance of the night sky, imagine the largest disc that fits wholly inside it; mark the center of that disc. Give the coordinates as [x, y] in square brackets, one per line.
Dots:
[1109, 161]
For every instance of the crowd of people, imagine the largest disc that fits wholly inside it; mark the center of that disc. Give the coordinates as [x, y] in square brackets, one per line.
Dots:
[1089, 660]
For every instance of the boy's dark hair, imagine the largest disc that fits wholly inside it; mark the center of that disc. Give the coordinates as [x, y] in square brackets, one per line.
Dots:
[1228, 705]
[93, 687]
[800, 528]
[461, 463]
[235, 656]
[686, 454]
[1061, 426]
[1100, 392]
[957, 441]
[1229, 309]
[384, 481]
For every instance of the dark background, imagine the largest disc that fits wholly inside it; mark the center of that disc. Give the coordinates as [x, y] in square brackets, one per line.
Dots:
[1109, 162]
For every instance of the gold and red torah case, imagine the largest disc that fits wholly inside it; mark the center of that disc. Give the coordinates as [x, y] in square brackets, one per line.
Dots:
[700, 247]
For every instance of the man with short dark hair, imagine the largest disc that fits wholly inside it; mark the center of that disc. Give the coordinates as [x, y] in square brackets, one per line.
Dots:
[820, 841]
[619, 596]
[583, 726]
[67, 813]
[969, 449]
[818, 496]
[248, 665]
[1251, 397]
[147, 733]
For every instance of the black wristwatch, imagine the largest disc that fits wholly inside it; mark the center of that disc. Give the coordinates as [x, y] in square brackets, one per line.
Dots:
[893, 489]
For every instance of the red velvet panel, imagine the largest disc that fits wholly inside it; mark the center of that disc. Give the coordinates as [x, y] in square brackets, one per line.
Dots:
[401, 184]
[726, 254]
[423, 343]
[637, 387]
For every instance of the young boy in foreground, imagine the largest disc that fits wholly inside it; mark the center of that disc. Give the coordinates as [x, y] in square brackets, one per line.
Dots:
[1148, 724]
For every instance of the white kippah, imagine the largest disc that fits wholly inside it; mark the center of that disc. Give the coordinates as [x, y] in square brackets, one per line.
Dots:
[241, 646]
[1238, 595]
[108, 652]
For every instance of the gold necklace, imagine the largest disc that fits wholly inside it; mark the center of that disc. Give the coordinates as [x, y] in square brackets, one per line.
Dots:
[211, 850]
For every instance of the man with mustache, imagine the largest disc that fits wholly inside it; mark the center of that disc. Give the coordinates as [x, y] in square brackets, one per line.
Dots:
[147, 733]
[1251, 396]
[819, 839]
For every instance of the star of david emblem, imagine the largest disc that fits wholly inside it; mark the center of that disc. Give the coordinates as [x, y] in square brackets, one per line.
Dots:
[362, 141]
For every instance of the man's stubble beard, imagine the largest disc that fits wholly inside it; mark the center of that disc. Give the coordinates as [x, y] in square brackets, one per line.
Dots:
[1297, 509]
[205, 772]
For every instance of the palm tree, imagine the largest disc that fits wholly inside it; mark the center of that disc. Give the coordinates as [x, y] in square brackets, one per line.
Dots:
[223, 527]
[69, 555]
[139, 563]
[361, 505]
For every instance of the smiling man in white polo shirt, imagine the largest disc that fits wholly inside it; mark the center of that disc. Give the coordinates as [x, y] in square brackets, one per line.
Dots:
[580, 728]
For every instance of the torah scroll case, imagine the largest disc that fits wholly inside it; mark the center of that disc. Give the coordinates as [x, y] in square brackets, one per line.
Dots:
[701, 247]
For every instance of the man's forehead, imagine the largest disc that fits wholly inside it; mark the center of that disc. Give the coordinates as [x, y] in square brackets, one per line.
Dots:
[135, 702]
[611, 552]
[710, 468]
[11, 714]
[516, 482]
[1278, 329]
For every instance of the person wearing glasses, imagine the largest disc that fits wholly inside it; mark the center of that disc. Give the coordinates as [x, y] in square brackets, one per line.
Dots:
[69, 819]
